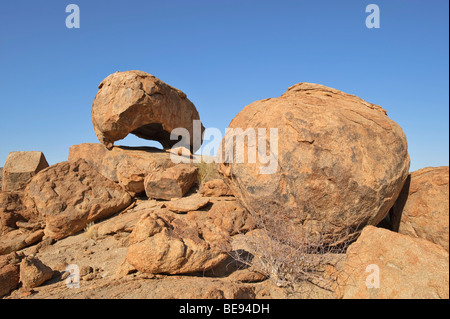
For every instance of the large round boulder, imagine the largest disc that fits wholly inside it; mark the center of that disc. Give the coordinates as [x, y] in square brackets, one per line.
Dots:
[139, 103]
[337, 163]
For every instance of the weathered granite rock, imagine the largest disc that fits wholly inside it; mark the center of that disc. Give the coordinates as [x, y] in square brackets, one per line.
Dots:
[215, 187]
[173, 182]
[19, 238]
[20, 167]
[162, 242]
[34, 273]
[337, 165]
[383, 264]
[187, 204]
[9, 273]
[138, 103]
[422, 209]
[126, 165]
[229, 216]
[69, 195]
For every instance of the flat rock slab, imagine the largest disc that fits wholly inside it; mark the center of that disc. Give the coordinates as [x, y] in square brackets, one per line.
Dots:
[230, 216]
[17, 239]
[20, 167]
[187, 204]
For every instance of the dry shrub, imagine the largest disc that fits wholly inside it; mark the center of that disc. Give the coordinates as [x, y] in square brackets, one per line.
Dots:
[299, 258]
[207, 172]
[91, 231]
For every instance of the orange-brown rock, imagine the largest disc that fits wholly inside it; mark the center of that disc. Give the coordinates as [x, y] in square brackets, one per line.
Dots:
[33, 272]
[126, 165]
[215, 187]
[9, 273]
[162, 242]
[383, 264]
[423, 208]
[341, 161]
[20, 167]
[19, 238]
[12, 210]
[170, 183]
[69, 195]
[138, 103]
[187, 204]
[229, 216]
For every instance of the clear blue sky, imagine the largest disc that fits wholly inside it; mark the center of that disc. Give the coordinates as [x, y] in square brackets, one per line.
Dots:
[223, 55]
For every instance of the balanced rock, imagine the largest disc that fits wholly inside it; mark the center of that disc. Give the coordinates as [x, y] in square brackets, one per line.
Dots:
[138, 103]
[162, 242]
[126, 165]
[173, 182]
[423, 207]
[69, 195]
[383, 264]
[20, 167]
[34, 273]
[336, 162]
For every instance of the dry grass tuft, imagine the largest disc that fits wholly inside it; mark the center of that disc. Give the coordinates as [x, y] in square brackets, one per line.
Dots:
[91, 231]
[207, 172]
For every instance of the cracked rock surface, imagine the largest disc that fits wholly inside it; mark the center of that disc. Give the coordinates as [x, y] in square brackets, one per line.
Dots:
[340, 162]
[139, 103]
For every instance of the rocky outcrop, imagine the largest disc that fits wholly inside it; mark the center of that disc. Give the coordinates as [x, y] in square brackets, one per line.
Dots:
[383, 264]
[329, 165]
[173, 182]
[1, 177]
[340, 161]
[69, 195]
[162, 242]
[422, 209]
[20, 167]
[138, 103]
[126, 165]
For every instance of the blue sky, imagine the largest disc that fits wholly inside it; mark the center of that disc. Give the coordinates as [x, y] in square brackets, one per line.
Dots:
[223, 55]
